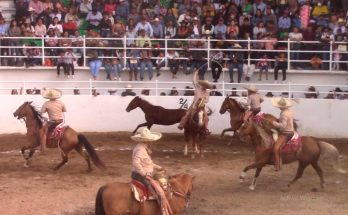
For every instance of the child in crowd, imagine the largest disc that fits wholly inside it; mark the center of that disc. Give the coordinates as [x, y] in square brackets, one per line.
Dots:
[61, 63]
[262, 65]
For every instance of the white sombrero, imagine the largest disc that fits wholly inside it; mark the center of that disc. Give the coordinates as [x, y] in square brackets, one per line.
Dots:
[282, 102]
[205, 83]
[146, 136]
[52, 93]
[252, 88]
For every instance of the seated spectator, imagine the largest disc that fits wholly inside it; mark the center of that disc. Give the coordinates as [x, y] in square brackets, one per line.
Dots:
[118, 30]
[157, 29]
[196, 27]
[259, 30]
[61, 63]
[316, 62]
[146, 62]
[40, 28]
[214, 91]
[76, 91]
[93, 18]
[129, 91]
[142, 39]
[208, 27]
[162, 94]
[84, 8]
[220, 30]
[183, 31]
[112, 92]
[70, 26]
[14, 92]
[77, 39]
[145, 25]
[269, 94]
[122, 10]
[173, 92]
[330, 95]
[189, 91]
[65, 41]
[37, 7]
[95, 92]
[320, 9]
[257, 18]
[105, 26]
[284, 22]
[56, 27]
[312, 93]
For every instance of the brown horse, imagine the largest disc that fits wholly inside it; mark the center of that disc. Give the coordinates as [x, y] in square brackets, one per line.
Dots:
[309, 154]
[117, 198]
[69, 141]
[155, 114]
[194, 131]
[236, 115]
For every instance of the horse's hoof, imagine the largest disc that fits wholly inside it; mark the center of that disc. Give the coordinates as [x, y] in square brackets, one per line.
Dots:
[252, 187]
[241, 180]
[25, 165]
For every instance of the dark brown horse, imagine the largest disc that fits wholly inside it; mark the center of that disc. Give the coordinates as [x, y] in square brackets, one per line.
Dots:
[309, 154]
[155, 114]
[117, 198]
[236, 115]
[69, 141]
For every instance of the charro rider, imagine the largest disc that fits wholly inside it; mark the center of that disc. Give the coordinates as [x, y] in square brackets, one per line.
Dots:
[202, 91]
[54, 109]
[253, 103]
[285, 126]
[143, 167]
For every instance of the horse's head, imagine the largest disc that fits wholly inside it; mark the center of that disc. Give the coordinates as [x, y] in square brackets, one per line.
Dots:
[23, 110]
[183, 186]
[246, 129]
[225, 105]
[133, 104]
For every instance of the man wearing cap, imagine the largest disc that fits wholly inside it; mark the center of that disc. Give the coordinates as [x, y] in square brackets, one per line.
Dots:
[202, 91]
[143, 167]
[285, 125]
[128, 91]
[54, 109]
[253, 103]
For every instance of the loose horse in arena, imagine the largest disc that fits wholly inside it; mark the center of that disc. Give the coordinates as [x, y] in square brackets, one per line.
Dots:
[118, 199]
[307, 153]
[155, 114]
[236, 115]
[194, 130]
[69, 140]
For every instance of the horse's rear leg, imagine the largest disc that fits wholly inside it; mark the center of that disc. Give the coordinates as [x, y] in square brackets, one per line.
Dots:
[317, 168]
[79, 149]
[27, 157]
[253, 183]
[64, 161]
[141, 125]
[301, 167]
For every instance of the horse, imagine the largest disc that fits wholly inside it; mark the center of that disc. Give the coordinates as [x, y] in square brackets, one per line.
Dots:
[69, 140]
[194, 130]
[117, 198]
[308, 154]
[155, 114]
[236, 115]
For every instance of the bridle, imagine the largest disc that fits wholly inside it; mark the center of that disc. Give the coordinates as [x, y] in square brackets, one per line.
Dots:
[185, 196]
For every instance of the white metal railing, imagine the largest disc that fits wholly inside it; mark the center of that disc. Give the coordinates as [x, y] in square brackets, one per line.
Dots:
[86, 87]
[14, 47]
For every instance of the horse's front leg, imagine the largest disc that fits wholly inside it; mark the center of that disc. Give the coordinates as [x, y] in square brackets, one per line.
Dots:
[253, 183]
[140, 125]
[243, 174]
[224, 131]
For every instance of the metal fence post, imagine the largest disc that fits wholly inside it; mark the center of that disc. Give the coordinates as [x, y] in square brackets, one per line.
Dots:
[90, 86]
[43, 50]
[208, 64]
[249, 46]
[84, 51]
[330, 61]
[156, 83]
[125, 52]
[165, 52]
[289, 58]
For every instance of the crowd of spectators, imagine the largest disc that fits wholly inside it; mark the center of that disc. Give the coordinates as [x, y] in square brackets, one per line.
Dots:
[63, 23]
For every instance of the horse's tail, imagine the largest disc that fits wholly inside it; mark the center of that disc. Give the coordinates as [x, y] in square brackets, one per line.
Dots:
[99, 208]
[330, 152]
[91, 151]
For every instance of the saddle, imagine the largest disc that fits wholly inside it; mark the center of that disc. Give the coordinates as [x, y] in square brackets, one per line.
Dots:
[141, 192]
[58, 132]
[258, 118]
[293, 145]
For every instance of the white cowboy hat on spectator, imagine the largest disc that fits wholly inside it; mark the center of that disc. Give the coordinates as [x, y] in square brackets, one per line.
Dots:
[237, 45]
[252, 88]
[156, 19]
[341, 20]
[146, 136]
[282, 102]
[52, 93]
[195, 18]
[31, 9]
[129, 86]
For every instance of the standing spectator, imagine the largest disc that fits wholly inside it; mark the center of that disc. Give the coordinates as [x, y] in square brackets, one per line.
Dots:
[258, 4]
[216, 63]
[336, 58]
[130, 33]
[237, 57]
[129, 91]
[270, 16]
[284, 22]
[326, 38]
[157, 28]
[21, 10]
[145, 62]
[305, 13]
[40, 28]
[70, 58]
[61, 63]
[220, 30]
[122, 10]
[93, 18]
[197, 59]
[257, 17]
[133, 63]
[94, 64]
[14, 31]
[144, 25]
[280, 64]
[37, 8]
[105, 26]
[85, 8]
[295, 37]
[263, 65]
[173, 62]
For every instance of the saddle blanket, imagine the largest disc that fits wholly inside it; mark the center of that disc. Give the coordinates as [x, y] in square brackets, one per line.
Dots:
[142, 196]
[58, 131]
[293, 145]
[258, 118]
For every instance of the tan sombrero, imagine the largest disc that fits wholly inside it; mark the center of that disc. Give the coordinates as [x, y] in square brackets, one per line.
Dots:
[205, 83]
[146, 136]
[52, 93]
[282, 102]
[252, 88]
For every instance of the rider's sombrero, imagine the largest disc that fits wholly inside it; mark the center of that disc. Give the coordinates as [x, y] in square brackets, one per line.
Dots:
[146, 136]
[52, 93]
[205, 84]
[282, 102]
[252, 88]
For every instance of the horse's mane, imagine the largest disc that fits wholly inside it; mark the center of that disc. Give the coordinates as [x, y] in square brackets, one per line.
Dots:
[37, 115]
[236, 104]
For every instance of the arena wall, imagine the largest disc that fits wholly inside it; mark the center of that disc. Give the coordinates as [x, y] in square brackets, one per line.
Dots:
[320, 118]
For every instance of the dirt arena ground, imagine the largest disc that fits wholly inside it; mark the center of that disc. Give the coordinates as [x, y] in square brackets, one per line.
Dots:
[38, 190]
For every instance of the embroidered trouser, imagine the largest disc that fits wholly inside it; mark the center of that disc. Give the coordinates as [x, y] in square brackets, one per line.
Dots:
[251, 112]
[189, 113]
[283, 138]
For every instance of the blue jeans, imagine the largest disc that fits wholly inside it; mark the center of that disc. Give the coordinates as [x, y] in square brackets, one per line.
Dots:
[148, 65]
[94, 66]
[239, 67]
